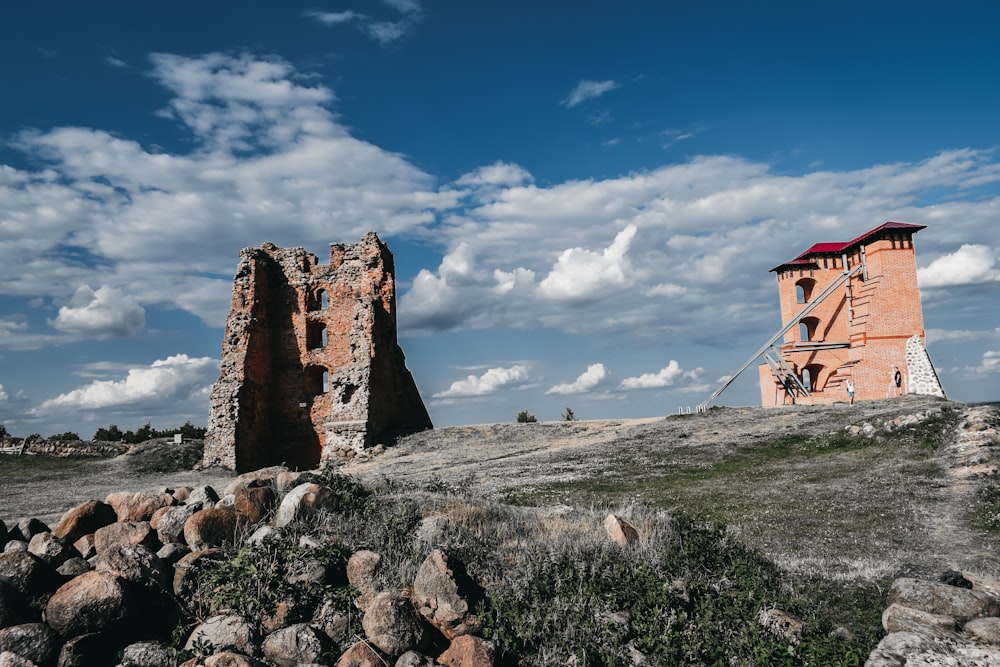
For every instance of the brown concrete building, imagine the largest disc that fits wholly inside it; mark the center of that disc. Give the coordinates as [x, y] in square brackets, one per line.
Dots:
[310, 359]
[851, 314]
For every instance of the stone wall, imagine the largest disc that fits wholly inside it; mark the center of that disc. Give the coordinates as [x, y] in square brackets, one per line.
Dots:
[923, 378]
[310, 359]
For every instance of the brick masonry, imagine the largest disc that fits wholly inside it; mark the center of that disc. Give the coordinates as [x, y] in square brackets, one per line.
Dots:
[861, 331]
[310, 359]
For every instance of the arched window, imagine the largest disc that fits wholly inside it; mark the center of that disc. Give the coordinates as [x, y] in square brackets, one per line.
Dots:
[807, 329]
[318, 300]
[317, 380]
[803, 290]
[810, 376]
[315, 335]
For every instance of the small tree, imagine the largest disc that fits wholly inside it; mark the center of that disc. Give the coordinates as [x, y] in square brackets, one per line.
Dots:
[68, 435]
[110, 434]
[3, 431]
[525, 417]
[569, 416]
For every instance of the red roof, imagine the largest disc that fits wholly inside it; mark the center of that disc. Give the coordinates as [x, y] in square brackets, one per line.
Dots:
[839, 248]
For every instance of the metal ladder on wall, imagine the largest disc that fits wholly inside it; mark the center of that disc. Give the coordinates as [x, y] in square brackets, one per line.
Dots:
[827, 291]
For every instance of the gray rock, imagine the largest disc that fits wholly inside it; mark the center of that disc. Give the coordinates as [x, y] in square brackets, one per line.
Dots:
[50, 548]
[295, 645]
[442, 593]
[898, 618]
[170, 527]
[391, 624]
[146, 654]
[8, 659]
[414, 659]
[937, 598]
[32, 577]
[135, 563]
[228, 632]
[985, 630]
[15, 546]
[74, 567]
[304, 500]
[36, 642]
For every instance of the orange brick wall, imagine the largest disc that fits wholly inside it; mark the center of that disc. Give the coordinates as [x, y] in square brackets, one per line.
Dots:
[882, 313]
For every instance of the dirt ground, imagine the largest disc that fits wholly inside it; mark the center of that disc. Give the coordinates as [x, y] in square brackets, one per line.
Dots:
[856, 515]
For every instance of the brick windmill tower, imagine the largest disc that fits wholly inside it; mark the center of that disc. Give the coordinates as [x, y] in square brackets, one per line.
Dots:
[851, 313]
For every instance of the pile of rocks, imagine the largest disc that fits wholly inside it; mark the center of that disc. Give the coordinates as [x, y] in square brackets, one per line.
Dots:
[868, 430]
[973, 453]
[114, 578]
[955, 621]
[64, 448]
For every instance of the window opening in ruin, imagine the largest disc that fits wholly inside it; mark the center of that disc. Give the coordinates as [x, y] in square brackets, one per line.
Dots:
[315, 335]
[810, 376]
[322, 299]
[803, 290]
[807, 328]
[348, 393]
[317, 380]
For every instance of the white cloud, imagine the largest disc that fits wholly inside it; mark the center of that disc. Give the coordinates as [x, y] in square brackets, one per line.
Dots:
[106, 313]
[164, 380]
[168, 226]
[991, 362]
[487, 383]
[582, 274]
[665, 377]
[496, 174]
[334, 18]
[969, 265]
[589, 379]
[959, 335]
[383, 32]
[588, 90]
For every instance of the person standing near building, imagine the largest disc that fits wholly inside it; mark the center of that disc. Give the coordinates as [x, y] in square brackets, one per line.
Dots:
[850, 391]
[896, 386]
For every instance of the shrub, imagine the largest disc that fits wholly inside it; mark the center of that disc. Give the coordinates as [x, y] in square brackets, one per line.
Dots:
[525, 417]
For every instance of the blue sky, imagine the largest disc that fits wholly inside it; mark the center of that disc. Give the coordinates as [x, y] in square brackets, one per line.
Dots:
[583, 199]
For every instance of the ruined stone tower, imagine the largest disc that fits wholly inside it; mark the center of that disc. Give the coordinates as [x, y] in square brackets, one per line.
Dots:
[310, 359]
[851, 312]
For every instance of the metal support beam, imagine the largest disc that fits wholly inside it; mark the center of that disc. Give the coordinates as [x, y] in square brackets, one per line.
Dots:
[827, 291]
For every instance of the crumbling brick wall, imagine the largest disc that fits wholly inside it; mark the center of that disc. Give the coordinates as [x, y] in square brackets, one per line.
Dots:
[310, 359]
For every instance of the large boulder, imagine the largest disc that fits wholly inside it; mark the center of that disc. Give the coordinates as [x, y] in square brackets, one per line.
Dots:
[36, 642]
[467, 651]
[391, 624]
[146, 654]
[8, 659]
[91, 602]
[138, 505]
[255, 502]
[134, 563]
[170, 524]
[186, 570]
[899, 618]
[84, 519]
[444, 595]
[935, 597]
[126, 532]
[212, 527]
[14, 608]
[51, 549]
[361, 654]
[296, 645]
[224, 633]
[305, 500]
[362, 567]
[28, 574]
